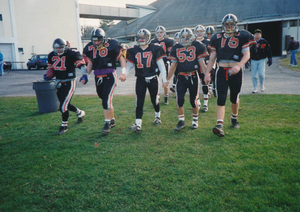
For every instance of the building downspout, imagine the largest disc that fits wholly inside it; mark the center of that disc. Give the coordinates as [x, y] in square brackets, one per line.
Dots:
[78, 27]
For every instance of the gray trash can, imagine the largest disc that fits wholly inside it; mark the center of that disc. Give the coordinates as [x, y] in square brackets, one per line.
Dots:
[46, 96]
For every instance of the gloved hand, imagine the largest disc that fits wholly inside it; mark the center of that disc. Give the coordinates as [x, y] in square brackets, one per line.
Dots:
[46, 78]
[269, 62]
[85, 78]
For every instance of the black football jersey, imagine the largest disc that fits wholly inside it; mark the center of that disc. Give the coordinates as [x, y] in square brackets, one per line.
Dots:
[231, 48]
[145, 60]
[64, 65]
[104, 57]
[167, 45]
[187, 58]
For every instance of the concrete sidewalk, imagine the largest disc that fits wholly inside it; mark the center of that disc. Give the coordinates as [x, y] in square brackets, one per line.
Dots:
[279, 80]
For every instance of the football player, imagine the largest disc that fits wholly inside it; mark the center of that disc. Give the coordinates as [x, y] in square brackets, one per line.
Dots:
[230, 48]
[166, 43]
[62, 62]
[187, 56]
[101, 54]
[146, 58]
[173, 88]
[199, 32]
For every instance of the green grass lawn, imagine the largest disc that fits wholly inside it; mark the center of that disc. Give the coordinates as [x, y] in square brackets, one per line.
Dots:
[255, 168]
[286, 61]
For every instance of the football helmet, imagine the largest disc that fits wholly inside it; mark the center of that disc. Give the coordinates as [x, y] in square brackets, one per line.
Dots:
[59, 46]
[230, 18]
[199, 31]
[141, 35]
[160, 29]
[210, 30]
[98, 35]
[186, 37]
[177, 36]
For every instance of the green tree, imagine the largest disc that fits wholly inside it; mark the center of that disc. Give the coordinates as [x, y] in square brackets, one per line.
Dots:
[105, 24]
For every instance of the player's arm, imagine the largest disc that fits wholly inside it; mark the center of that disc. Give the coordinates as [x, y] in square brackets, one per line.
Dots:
[161, 66]
[211, 62]
[122, 76]
[170, 74]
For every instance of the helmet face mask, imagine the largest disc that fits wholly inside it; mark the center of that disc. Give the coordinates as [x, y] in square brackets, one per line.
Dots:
[160, 32]
[186, 37]
[59, 46]
[143, 37]
[229, 23]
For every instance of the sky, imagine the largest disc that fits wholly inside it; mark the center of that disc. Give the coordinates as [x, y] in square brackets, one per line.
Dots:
[112, 3]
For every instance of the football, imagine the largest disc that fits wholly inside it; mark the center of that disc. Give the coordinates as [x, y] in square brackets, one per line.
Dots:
[50, 73]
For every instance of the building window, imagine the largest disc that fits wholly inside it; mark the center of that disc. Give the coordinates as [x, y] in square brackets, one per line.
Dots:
[293, 23]
[284, 23]
[20, 50]
[1, 17]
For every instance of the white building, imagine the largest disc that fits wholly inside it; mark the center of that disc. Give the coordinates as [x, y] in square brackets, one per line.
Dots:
[29, 27]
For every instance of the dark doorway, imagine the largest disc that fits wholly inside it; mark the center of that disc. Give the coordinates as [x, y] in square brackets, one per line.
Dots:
[272, 32]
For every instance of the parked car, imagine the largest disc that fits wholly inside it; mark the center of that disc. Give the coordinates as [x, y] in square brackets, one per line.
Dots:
[38, 61]
[7, 65]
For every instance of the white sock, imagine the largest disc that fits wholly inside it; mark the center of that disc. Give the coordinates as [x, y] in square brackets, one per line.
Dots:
[138, 122]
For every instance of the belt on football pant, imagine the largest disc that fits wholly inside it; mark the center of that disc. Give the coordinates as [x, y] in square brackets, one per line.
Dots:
[187, 73]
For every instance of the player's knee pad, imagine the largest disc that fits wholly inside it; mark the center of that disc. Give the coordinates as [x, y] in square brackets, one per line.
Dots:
[221, 99]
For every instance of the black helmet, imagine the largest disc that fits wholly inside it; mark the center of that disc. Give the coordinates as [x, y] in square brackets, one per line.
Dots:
[59, 43]
[230, 18]
[143, 33]
[98, 34]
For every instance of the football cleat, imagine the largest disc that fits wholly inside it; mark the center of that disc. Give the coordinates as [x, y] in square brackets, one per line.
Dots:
[235, 124]
[136, 128]
[157, 121]
[166, 100]
[62, 130]
[205, 108]
[180, 126]
[218, 130]
[106, 128]
[112, 123]
[194, 125]
[80, 117]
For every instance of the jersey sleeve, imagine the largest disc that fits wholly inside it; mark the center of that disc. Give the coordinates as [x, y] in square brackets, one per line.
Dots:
[170, 45]
[78, 59]
[201, 51]
[130, 55]
[173, 56]
[212, 43]
[159, 52]
[50, 61]
[88, 52]
[117, 48]
[248, 40]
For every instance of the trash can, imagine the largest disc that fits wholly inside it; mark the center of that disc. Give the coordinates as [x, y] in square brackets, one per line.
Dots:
[46, 96]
